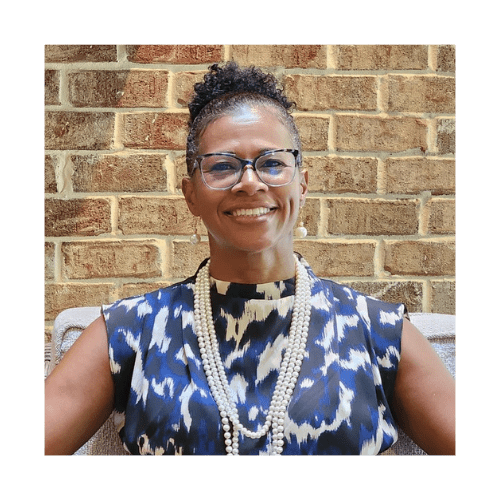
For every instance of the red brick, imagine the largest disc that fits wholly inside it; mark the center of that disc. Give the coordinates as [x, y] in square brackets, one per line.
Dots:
[313, 92]
[409, 293]
[80, 53]
[175, 54]
[420, 258]
[446, 136]
[77, 217]
[79, 130]
[441, 216]
[186, 258]
[118, 89]
[180, 170]
[111, 259]
[414, 175]
[119, 173]
[183, 86]
[421, 94]
[446, 58]
[288, 56]
[61, 296]
[443, 297]
[334, 174]
[155, 215]
[313, 131]
[388, 57]
[372, 217]
[330, 258]
[49, 260]
[50, 174]
[52, 87]
[155, 130]
[310, 214]
[372, 133]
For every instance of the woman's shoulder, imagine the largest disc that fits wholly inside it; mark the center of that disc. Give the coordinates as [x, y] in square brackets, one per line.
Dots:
[345, 299]
[372, 310]
[142, 306]
[158, 295]
[346, 293]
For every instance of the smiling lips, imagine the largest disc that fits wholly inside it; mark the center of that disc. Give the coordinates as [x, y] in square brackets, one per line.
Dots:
[250, 212]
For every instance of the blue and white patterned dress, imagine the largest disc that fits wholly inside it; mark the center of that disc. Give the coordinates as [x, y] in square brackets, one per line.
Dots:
[340, 405]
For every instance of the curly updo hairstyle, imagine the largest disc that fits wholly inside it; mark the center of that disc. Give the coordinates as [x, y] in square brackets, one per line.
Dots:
[228, 88]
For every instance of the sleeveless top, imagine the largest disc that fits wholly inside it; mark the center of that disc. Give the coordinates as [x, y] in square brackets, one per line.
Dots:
[340, 405]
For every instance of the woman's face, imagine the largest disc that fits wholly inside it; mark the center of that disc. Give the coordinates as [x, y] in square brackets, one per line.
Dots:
[247, 133]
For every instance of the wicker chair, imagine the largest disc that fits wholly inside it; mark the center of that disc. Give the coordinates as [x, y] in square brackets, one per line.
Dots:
[438, 328]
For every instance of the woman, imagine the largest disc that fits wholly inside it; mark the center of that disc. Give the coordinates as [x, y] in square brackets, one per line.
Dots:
[254, 354]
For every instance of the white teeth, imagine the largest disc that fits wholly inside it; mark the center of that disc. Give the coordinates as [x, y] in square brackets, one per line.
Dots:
[251, 211]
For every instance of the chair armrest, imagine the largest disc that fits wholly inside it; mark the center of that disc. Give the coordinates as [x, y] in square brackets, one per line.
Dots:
[48, 358]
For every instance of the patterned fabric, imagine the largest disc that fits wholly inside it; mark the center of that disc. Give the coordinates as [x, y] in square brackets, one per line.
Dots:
[341, 401]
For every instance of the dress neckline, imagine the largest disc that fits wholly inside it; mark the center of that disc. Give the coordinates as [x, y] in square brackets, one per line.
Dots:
[274, 290]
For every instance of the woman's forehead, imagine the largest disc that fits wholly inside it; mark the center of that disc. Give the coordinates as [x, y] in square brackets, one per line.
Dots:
[248, 113]
[252, 123]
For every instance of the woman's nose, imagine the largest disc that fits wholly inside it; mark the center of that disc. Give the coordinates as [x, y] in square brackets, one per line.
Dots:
[250, 182]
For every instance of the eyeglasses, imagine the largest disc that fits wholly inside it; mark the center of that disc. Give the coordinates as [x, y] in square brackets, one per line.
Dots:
[224, 170]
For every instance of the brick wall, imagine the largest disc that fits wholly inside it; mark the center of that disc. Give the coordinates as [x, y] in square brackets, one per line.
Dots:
[377, 124]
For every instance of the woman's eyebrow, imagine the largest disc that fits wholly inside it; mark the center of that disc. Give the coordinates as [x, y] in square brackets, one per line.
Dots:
[260, 152]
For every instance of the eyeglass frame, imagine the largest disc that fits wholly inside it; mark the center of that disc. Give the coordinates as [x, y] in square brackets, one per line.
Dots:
[244, 163]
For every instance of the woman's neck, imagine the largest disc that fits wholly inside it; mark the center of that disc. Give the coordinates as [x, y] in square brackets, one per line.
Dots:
[258, 267]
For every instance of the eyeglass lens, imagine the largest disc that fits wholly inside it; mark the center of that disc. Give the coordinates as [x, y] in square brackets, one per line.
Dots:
[224, 170]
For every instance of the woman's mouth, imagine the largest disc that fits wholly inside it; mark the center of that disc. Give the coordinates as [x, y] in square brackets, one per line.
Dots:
[250, 212]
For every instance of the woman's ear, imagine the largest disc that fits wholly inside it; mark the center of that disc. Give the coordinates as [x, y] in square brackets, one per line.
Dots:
[190, 196]
[304, 180]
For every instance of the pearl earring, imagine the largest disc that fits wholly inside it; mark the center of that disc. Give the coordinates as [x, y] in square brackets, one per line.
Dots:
[195, 238]
[301, 231]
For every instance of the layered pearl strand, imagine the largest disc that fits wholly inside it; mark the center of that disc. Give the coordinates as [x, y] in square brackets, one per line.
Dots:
[288, 373]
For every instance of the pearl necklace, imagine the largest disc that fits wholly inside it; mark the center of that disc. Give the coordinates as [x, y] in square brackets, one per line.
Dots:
[288, 373]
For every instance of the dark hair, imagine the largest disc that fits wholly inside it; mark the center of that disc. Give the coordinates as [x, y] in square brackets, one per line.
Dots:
[228, 88]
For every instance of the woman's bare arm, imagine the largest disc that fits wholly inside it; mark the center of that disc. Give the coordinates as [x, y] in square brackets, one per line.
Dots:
[424, 399]
[79, 392]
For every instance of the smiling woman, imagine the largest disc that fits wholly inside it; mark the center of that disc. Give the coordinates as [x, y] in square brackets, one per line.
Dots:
[258, 247]
[253, 354]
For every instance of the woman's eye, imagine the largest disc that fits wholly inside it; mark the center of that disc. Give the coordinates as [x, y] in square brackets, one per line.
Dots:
[222, 167]
[272, 166]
